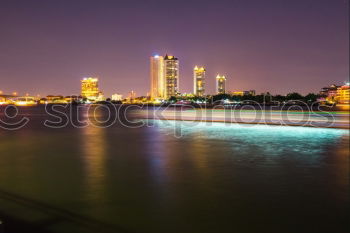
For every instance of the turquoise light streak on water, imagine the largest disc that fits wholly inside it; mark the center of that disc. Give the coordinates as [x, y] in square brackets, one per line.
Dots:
[265, 139]
[214, 178]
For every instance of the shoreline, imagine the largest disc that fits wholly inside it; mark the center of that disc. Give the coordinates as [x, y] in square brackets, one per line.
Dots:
[242, 107]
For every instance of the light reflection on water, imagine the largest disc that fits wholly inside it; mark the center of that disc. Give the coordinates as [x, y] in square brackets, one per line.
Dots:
[263, 139]
[213, 177]
[93, 146]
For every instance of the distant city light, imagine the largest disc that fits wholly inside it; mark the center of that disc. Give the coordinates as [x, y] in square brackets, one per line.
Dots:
[90, 90]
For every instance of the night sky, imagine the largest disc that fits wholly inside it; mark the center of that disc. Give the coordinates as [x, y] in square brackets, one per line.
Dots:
[47, 46]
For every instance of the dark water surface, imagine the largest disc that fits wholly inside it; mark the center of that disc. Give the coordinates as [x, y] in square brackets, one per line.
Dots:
[214, 178]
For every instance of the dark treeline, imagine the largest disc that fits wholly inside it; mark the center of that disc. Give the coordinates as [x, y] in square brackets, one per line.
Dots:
[263, 98]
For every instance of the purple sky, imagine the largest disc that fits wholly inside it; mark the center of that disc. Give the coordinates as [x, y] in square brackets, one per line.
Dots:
[280, 46]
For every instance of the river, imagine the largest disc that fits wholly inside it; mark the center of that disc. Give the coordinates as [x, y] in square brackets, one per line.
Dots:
[171, 177]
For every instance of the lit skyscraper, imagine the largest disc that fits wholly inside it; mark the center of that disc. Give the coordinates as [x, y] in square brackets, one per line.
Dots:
[157, 77]
[198, 81]
[220, 84]
[171, 72]
[164, 77]
[89, 89]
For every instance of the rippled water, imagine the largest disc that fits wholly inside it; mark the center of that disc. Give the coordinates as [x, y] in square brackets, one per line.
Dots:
[214, 178]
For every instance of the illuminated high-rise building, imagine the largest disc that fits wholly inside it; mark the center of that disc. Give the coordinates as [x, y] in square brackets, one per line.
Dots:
[171, 75]
[343, 94]
[164, 77]
[220, 84]
[157, 77]
[198, 81]
[89, 89]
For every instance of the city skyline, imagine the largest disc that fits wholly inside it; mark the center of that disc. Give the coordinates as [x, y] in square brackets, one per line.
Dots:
[297, 45]
[186, 116]
[160, 66]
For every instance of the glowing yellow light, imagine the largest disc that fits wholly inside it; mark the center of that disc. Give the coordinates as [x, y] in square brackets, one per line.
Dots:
[238, 93]
[89, 88]
[21, 103]
[343, 94]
